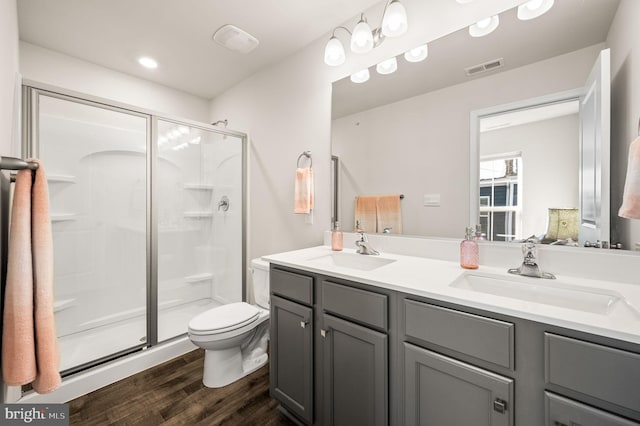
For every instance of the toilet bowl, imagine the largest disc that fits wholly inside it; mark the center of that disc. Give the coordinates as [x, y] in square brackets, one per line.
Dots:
[234, 336]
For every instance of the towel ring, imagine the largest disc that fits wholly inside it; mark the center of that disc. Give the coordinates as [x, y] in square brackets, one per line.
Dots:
[305, 154]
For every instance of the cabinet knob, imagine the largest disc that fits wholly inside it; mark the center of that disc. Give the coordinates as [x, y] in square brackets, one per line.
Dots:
[324, 333]
[499, 405]
[303, 324]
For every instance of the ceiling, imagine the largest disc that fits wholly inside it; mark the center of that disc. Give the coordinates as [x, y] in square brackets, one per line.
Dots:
[570, 25]
[178, 34]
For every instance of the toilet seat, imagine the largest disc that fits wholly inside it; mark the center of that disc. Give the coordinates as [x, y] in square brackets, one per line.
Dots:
[224, 318]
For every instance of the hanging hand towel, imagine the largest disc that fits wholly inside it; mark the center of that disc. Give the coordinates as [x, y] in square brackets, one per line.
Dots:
[365, 213]
[389, 213]
[631, 199]
[47, 355]
[18, 345]
[303, 191]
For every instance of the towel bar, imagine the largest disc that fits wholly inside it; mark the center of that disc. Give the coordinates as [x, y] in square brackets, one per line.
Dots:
[305, 154]
[11, 163]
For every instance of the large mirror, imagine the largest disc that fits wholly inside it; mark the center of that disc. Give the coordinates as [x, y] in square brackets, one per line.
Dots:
[423, 132]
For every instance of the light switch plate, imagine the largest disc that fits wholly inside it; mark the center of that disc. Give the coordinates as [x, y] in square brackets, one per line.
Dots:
[431, 200]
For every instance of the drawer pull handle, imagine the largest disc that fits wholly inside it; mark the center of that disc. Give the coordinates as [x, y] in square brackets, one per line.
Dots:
[304, 323]
[324, 333]
[499, 405]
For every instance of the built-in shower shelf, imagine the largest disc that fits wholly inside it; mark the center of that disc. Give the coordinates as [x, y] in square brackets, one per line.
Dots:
[198, 278]
[63, 217]
[198, 214]
[61, 178]
[198, 186]
[61, 305]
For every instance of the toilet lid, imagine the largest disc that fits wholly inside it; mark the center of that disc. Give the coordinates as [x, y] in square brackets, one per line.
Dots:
[230, 316]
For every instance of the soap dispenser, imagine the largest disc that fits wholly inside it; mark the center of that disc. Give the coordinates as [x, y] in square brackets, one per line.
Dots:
[336, 237]
[469, 254]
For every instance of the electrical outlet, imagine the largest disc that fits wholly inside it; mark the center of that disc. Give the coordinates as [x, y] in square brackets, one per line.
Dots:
[431, 200]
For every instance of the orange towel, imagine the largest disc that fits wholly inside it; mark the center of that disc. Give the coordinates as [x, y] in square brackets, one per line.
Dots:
[303, 191]
[18, 345]
[47, 355]
[631, 199]
[389, 214]
[365, 213]
[29, 346]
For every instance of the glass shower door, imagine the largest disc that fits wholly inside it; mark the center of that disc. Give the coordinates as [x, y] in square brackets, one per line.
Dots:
[199, 192]
[95, 158]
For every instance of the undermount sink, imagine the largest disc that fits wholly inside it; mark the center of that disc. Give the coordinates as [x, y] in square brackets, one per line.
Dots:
[360, 262]
[555, 293]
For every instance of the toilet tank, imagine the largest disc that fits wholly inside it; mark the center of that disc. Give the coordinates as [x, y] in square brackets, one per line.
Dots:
[260, 271]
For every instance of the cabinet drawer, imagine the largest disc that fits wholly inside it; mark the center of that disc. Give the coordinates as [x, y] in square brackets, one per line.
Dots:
[291, 285]
[360, 305]
[599, 371]
[483, 338]
[566, 412]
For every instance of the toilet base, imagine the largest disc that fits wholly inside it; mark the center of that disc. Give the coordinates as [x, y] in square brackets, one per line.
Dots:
[223, 367]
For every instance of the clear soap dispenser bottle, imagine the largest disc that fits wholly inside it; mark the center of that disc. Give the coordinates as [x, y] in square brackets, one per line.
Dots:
[469, 254]
[336, 237]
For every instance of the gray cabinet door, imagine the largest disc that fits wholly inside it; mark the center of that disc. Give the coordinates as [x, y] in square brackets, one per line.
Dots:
[442, 391]
[355, 374]
[291, 365]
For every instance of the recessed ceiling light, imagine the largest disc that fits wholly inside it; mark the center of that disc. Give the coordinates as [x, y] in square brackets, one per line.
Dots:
[534, 8]
[148, 62]
[236, 39]
[484, 26]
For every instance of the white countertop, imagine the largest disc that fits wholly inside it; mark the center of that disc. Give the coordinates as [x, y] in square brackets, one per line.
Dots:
[433, 278]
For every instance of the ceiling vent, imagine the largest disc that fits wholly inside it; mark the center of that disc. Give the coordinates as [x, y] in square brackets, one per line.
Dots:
[236, 39]
[487, 66]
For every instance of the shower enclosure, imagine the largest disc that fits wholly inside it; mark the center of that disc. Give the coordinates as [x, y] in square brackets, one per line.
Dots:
[148, 221]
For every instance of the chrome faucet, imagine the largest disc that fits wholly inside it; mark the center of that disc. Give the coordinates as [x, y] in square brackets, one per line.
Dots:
[364, 246]
[529, 267]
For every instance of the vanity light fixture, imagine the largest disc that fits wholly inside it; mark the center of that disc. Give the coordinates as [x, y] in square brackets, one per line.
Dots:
[417, 54]
[484, 26]
[387, 66]
[148, 62]
[534, 8]
[363, 39]
[361, 76]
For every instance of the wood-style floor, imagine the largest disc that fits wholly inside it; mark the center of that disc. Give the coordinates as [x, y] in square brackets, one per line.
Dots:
[173, 394]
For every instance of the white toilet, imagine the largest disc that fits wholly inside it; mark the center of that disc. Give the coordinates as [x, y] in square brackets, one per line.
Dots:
[235, 335]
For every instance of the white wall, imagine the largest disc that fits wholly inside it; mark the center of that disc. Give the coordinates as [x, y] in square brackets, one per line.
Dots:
[50, 67]
[427, 138]
[625, 108]
[550, 166]
[8, 70]
[286, 109]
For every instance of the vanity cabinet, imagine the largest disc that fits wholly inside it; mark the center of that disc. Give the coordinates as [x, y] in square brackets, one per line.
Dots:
[292, 346]
[355, 371]
[348, 353]
[441, 390]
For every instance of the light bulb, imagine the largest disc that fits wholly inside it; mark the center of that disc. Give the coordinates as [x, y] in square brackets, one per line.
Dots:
[147, 62]
[361, 76]
[334, 52]
[362, 38]
[394, 22]
[387, 67]
[484, 26]
[417, 54]
[534, 8]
